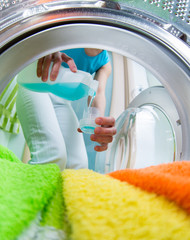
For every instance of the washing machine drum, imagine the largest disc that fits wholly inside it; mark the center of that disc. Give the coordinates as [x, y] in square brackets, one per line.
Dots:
[136, 30]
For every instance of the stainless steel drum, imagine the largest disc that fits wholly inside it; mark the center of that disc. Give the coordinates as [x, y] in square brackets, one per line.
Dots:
[154, 34]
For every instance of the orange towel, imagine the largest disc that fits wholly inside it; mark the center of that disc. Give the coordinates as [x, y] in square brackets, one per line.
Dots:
[171, 180]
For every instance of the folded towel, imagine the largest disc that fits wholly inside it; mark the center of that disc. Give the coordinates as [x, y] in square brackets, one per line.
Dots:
[31, 203]
[100, 207]
[171, 180]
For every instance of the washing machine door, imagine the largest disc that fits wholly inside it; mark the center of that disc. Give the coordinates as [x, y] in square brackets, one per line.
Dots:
[148, 133]
[155, 34]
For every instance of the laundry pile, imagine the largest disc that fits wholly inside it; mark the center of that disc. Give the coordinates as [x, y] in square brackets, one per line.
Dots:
[31, 202]
[39, 202]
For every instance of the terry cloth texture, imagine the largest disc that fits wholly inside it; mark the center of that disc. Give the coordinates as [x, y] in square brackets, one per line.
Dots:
[171, 180]
[31, 203]
[8, 117]
[100, 207]
[37, 202]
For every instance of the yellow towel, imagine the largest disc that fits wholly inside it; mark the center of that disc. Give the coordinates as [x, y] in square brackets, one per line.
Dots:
[99, 207]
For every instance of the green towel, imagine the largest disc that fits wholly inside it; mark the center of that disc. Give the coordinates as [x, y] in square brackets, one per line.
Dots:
[31, 202]
[8, 116]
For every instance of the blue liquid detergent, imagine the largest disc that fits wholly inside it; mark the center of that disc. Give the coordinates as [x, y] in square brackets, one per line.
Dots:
[71, 91]
[88, 129]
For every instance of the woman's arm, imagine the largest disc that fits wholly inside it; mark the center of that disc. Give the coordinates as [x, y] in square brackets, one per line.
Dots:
[101, 76]
[103, 134]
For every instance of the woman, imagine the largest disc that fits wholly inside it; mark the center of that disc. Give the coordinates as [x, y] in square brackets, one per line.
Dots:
[49, 123]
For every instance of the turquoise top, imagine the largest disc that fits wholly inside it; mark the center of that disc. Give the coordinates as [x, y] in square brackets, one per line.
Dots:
[87, 63]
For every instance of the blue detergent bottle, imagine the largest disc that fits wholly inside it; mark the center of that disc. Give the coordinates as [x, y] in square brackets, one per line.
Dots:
[68, 85]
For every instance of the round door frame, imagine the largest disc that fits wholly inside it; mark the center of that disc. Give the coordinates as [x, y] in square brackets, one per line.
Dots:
[112, 30]
[158, 97]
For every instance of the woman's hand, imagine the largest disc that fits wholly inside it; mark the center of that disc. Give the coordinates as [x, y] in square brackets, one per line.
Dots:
[57, 58]
[103, 134]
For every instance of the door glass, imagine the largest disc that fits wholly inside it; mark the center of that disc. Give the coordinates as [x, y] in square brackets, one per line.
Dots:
[145, 138]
